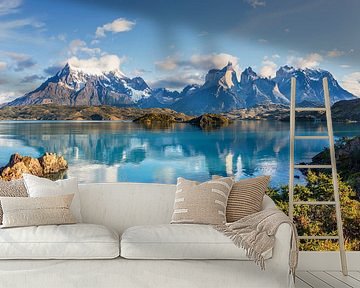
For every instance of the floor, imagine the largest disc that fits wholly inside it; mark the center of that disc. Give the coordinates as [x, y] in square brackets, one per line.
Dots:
[327, 279]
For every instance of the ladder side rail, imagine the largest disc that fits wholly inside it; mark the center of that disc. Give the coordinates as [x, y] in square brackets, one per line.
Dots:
[334, 176]
[292, 143]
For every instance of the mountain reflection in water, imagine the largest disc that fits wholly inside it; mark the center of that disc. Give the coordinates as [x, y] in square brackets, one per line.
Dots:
[125, 151]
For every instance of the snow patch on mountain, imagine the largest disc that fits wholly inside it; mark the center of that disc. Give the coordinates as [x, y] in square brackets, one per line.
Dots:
[87, 83]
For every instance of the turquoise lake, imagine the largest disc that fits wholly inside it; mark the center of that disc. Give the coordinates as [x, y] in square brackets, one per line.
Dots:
[125, 151]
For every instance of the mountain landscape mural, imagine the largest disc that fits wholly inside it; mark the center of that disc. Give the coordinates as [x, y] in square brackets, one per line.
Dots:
[220, 92]
[152, 90]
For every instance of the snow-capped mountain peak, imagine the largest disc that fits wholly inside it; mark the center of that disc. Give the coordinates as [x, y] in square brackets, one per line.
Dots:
[248, 75]
[309, 87]
[225, 77]
[221, 91]
[77, 86]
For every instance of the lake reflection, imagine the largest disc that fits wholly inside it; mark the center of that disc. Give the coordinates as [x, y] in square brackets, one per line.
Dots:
[125, 151]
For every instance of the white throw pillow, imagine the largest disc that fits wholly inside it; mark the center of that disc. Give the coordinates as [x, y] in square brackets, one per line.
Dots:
[42, 187]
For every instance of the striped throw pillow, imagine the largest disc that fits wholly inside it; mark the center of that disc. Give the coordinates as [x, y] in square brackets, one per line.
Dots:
[203, 203]
[246, 197]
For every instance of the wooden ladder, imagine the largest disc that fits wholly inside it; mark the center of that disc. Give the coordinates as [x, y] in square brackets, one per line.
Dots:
[332, 166]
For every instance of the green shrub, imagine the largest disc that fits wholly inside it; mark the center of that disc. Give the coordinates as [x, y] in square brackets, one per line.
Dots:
[321, 219]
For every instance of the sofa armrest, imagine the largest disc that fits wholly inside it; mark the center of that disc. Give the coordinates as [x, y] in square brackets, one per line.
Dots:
[282, 245]
[279, 263]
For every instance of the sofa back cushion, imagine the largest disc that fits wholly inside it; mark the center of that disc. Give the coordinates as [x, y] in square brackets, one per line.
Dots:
[122, 205]
[14, 188]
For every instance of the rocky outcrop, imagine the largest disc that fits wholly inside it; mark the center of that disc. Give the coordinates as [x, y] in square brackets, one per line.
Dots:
[210, 121]
[159, 117]
[48, 164]
[161, 120]
[346, 111]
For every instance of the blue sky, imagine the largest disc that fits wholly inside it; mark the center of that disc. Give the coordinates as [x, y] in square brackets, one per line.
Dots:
[174, 43]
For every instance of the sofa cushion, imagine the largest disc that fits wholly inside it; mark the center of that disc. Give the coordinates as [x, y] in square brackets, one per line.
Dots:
[42, 187]
[73, 241]
[181, 241]
[201, 203]
[29, 211]
[246, 197]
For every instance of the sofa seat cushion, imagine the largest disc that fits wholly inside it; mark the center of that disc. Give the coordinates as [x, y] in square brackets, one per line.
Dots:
[74, 241]
[180, 241]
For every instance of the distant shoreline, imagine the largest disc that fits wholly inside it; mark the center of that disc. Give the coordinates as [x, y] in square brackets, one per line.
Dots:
[341, 112]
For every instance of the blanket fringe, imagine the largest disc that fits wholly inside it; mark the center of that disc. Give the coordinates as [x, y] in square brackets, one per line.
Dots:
[240, 243]
[256, 234]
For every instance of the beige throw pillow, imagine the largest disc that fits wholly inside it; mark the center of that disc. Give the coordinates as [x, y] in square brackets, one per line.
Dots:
[14, 188]
[246, 197]
[27, 211]
[203, 203]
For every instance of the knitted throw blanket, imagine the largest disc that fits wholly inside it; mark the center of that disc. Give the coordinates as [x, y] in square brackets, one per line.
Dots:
[256, 234]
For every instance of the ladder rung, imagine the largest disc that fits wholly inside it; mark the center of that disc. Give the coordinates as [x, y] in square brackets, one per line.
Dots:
[314, 202]
[310, 109]
[311, 137]
[319, 237]
[312, 166]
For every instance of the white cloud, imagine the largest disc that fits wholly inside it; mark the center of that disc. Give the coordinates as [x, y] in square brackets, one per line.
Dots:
[117, 26]
[9, 29]
[193, 70]
[335, 53]
[78, 46]
[263, 41]
[169, 63]
[139, 72]
[20, 23]
[178, 81]
[309, 61]
[202, 62]
[9, 6]
[210, 61]
[268, 69]
[21, 61]
[17, 56]
[7, 97]
[256, 3]
[95, 65]
[61, 37]
[351, 82]
[345, 66]
[3, 65]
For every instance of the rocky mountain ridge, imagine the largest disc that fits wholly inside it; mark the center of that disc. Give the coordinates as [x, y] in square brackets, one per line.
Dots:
[221, 91]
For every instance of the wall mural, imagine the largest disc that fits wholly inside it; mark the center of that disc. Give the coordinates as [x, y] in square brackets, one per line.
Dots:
[143, 76]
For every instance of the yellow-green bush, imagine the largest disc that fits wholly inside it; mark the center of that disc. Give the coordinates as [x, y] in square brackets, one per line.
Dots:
[320, 219]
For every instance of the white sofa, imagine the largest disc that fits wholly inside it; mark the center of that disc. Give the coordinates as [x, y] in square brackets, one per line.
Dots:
[119, 206]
